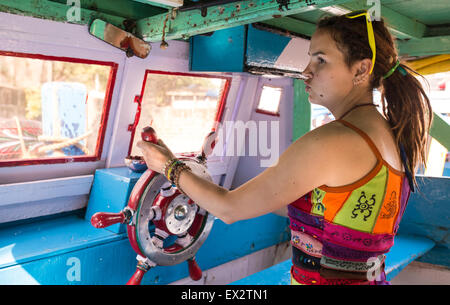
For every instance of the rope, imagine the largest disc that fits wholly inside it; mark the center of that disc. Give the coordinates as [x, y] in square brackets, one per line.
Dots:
[64, 144]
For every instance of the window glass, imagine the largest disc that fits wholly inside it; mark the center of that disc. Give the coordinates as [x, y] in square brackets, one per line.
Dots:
[181, 108]
[269, 102]
[50, 109]
[437, 87]
[320, 116]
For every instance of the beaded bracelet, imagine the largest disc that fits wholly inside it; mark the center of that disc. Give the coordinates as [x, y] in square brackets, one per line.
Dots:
[167, 164]
[172, 166]
[177, 171]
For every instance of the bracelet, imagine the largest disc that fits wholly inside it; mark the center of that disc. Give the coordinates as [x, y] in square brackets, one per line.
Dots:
[177, 171]
[167, 164]
[172, 166]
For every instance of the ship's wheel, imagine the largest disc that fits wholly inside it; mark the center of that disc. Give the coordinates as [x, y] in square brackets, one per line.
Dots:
[164, 226]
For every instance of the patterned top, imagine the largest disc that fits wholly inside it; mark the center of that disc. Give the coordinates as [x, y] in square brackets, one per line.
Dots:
[339, 235]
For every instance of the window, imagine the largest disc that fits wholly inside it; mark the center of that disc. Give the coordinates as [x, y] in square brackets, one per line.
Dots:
[182, 108]
[320, 116]
[437, 88]
[269, 102]
[52, 110]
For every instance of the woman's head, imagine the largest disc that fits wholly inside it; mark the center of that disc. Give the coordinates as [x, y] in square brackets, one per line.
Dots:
[348, 75]
[330, 79]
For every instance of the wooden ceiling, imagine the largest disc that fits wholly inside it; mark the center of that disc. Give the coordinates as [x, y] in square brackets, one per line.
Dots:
[422, 28]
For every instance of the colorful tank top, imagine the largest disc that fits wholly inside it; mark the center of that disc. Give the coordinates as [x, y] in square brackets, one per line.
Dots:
[340, 235]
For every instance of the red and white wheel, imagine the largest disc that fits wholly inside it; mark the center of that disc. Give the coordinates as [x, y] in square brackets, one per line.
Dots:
[164, 226]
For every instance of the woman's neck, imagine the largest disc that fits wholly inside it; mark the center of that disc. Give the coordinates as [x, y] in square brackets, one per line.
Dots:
[341, 108]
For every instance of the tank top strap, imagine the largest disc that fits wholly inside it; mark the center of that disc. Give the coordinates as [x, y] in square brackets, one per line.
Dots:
[364, 135]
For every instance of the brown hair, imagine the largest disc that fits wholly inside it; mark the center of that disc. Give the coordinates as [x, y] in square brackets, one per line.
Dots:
[405, 104]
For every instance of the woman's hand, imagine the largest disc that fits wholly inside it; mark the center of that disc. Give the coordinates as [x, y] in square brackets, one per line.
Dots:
[155, 156]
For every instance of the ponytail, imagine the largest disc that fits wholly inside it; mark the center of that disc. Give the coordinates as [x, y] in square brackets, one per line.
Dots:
[408, 111]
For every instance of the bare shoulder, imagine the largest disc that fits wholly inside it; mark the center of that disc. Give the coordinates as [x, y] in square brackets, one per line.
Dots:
[326, 136]
[323, 150]
[338, 153]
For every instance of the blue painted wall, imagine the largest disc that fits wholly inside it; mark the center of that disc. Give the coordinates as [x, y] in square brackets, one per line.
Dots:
[57, 251]
[229, 50]
[428, 215]
[222, 51]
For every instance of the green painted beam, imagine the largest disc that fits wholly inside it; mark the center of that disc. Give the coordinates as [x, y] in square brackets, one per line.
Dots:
[292, 25]
[400, 26]
[190, 23]
[121, 8]
[440, 130]
[443, 30]
[301, 120]
[54, 11]
[425, 46]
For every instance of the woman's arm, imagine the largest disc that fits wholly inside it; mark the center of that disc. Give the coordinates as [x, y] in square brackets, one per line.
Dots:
[306, 163]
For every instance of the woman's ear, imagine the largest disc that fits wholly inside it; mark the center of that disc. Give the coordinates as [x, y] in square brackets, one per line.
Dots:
[361, 71]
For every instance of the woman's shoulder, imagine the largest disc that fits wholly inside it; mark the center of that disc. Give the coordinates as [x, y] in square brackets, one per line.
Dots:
[374, 142]
[348, 155]
[334, 142]
[334, 130]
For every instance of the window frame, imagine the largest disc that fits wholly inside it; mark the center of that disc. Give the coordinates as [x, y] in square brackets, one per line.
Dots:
[105, 115]
[138, 99]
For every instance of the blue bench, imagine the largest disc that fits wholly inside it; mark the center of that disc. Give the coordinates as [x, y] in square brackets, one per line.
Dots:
[405, 250]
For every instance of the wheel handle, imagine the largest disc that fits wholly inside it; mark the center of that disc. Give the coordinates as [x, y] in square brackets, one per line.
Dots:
[148, 134]
[194, 270]
[104, 219]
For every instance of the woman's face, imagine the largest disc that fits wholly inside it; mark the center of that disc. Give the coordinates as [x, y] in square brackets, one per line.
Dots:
[329, 79]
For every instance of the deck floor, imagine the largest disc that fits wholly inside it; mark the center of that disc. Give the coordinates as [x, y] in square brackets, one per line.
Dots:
[418, 273]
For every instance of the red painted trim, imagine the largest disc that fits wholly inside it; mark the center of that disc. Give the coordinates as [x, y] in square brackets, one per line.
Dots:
[223, 101]
[267, 112]
[220, 108]
[104, 120]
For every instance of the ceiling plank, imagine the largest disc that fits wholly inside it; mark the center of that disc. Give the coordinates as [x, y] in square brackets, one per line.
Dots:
[55, 11]
[190, 23]
[425, 46]
[292, 25]
[401, 26]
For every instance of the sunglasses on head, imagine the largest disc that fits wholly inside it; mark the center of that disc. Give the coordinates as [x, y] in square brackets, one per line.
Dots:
[370, 34]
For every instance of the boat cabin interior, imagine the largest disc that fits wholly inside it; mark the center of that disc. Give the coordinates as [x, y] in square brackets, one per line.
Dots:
[221, 82]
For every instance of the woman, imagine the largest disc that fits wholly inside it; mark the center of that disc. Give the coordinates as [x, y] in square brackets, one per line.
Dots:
[344, 183]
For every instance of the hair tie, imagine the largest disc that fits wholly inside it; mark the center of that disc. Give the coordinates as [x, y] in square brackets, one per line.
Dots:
[400, 69]
[392, 70]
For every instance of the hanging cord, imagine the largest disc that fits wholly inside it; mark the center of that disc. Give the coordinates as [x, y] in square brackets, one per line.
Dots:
[173, 14]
